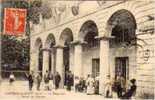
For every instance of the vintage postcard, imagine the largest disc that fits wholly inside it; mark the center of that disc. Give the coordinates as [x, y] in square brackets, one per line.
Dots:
[77, 49]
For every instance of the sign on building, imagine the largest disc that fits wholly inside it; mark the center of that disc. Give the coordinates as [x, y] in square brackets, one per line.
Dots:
[14, 21]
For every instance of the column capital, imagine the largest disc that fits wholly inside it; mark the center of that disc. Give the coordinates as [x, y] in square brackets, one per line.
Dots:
[104, 37]
[45, 49]
[59, 46]
[78, 42]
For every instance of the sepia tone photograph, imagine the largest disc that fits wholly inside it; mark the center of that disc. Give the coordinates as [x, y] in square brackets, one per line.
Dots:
[77, 49]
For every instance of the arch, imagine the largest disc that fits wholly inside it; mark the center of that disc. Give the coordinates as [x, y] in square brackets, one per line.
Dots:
[123, 16]
[50, 41]
[88, 26]
[50, 60]
[122, 25]
[87, 35]
[66, 36]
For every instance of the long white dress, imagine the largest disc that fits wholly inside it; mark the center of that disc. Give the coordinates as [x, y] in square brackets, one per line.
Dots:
[90, 86]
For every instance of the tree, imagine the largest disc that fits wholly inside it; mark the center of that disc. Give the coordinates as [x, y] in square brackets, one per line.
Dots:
[15, 51]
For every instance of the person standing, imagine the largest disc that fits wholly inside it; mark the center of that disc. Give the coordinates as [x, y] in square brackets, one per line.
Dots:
[90, 85]
[114, 88]
[120, 84]
[31, 80]
[46, 80]
[57, 80]
[77, 82]
[69, 81]
[38, 79]
[108, 87]
[11, 78]
[50, 80]
[132, 91]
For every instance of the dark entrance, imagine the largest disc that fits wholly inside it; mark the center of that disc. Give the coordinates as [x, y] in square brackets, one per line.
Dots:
[121, 66]
[95, 67]
[40, 59]
[50, 61]
[66, 58]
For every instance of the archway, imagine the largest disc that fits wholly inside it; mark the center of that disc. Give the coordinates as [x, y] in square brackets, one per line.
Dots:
[88, 33]
[38, 47]
[50, 42]
[122, 25]
[66, 38]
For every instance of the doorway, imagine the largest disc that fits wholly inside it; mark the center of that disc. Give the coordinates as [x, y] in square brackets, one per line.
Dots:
[95, 67]
[122, 67]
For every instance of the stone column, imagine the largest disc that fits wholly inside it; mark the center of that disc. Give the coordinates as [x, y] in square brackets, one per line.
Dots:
[45, 61]
[34, 61]
[52, 62]
[71, 59]
[104, 63]
[78, 60]
[59, 64]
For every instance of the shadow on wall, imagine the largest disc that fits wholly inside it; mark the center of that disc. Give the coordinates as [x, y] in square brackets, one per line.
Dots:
[146, 95]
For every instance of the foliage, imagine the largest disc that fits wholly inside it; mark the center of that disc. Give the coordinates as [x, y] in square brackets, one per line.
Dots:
[15, 52]
[34, 8]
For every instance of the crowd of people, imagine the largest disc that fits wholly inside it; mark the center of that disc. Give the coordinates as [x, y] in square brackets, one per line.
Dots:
[113, 88]
[50, 81]
[89, 85]
[120, 88]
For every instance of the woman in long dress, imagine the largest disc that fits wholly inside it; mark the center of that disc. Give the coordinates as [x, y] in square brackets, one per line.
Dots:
[90, 85]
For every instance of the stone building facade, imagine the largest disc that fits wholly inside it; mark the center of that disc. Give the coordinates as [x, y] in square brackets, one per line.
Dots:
[99, 38]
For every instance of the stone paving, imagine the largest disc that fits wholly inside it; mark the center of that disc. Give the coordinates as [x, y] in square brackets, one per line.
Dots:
[19, 91]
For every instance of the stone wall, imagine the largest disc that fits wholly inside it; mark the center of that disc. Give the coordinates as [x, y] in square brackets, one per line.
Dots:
[142, 10]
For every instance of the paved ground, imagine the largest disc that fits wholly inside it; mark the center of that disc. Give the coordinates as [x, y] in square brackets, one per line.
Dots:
[19, 91]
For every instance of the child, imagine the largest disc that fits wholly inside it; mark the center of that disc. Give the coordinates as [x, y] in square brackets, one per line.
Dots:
[11, 78]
